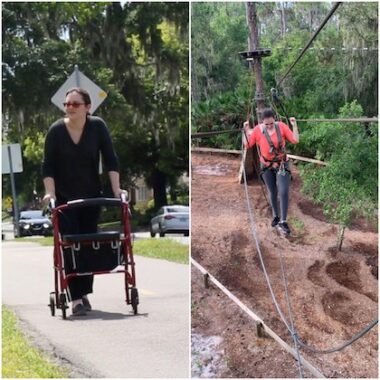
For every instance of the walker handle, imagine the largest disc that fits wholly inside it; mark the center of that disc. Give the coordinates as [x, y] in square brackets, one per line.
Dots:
[123, 197]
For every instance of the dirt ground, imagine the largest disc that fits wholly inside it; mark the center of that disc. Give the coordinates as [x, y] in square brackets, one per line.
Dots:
[334, 294]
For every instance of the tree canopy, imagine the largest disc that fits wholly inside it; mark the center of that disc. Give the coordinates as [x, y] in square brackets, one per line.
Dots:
[136, 52]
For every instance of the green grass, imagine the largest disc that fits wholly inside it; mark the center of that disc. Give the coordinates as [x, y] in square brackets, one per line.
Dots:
[158, 248]
[20, 359]
[162, 249]
[45, 241]
[297, 224]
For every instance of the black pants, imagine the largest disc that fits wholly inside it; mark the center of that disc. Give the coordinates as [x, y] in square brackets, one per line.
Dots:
[278, 184]
[79, 221]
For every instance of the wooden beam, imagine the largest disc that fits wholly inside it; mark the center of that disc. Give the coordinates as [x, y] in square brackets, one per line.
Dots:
[213, 133]
[215, 150]
[239, 152]
[292, 156]
[257, 319]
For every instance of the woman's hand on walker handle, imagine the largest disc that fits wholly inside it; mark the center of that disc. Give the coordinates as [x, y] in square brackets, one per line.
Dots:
[119, 193]
[47, 198]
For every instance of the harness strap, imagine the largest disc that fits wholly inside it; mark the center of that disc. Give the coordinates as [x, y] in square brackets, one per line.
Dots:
[273, 149]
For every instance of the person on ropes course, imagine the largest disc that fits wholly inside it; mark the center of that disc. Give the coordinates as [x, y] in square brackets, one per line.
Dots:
[270, 137]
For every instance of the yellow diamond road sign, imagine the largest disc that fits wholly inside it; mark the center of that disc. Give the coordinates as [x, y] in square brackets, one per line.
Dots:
[78, 79]
[8, 202]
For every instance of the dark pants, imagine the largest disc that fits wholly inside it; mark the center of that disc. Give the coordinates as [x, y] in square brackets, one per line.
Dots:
[278, 184]
[79, 221]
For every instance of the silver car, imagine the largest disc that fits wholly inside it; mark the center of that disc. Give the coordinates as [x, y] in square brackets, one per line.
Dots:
[170, 219]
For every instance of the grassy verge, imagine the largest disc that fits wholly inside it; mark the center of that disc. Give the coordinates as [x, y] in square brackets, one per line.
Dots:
[20, 359]
[45, 241]
[166, 249]
[162, 249]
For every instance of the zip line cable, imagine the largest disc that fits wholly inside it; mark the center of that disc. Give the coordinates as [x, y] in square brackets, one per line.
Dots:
[336, 5]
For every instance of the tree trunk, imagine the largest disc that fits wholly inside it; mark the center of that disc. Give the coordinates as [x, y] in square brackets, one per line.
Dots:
[251, 158]
[283, 21]
[340, 237]
[254, 44]
[158, 180]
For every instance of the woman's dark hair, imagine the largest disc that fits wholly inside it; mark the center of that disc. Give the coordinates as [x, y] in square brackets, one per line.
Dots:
[85, 95]
[268, 112]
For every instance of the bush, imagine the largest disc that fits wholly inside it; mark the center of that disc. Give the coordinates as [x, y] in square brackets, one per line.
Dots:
[348, 185]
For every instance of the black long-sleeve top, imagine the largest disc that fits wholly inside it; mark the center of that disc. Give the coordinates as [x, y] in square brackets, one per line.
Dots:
[75, 167]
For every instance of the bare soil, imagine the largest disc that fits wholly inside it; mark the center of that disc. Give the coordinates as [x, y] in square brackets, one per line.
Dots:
[334, 294]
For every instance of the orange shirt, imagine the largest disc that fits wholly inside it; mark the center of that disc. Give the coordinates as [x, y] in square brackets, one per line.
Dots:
[258, 137]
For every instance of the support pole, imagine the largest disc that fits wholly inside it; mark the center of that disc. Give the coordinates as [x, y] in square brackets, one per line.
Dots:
[250, 158]
[15, 207]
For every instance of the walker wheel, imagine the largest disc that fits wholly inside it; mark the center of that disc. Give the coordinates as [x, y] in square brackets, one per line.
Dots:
[134, 299]
[52, 303]
[62, 304]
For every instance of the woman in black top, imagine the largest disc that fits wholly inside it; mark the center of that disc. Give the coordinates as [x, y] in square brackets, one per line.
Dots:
[71, 171]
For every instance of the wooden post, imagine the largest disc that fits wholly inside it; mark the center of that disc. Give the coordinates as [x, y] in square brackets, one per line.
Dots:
[206, 280]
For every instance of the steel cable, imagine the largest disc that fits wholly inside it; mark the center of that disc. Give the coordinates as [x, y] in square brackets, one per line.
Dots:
[336, 5]
[291, 317]
[254, 233]
[291, 328]
[343, 345]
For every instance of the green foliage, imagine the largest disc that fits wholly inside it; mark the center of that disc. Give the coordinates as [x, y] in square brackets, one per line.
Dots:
[348, 186]
[20, 359]
[320, 83]
[137, 52]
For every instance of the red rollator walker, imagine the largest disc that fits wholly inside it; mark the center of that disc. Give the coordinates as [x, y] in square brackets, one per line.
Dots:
[105, 252]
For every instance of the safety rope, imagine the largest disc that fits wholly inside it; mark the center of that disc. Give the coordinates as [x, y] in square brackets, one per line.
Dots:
[254, 234]
[291, 328]
[290, 311]
[343, 345]
[336, 5]
[249, 114]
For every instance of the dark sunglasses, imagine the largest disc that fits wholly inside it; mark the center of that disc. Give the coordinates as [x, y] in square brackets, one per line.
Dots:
[74, 104]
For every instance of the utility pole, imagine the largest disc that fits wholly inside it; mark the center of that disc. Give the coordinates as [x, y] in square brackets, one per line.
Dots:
[250, 158]
[254, 46]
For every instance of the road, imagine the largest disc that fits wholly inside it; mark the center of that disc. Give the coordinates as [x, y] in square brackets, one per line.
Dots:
[7, 230]
[110, 341]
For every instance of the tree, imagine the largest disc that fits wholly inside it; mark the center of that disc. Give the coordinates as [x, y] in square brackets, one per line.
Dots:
[348, 186]
[137, 52]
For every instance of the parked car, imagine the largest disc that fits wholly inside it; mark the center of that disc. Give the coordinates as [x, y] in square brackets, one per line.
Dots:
[170, 219]
[34, 222]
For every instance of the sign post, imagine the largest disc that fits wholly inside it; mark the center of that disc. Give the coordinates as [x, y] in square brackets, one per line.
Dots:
[15, 207]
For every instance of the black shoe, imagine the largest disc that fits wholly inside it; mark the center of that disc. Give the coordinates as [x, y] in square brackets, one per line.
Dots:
[79, 310]
[275, 221]
[284, 228]
[86, 304]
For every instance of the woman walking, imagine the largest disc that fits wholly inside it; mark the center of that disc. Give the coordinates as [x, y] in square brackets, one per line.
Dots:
[70, 171]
